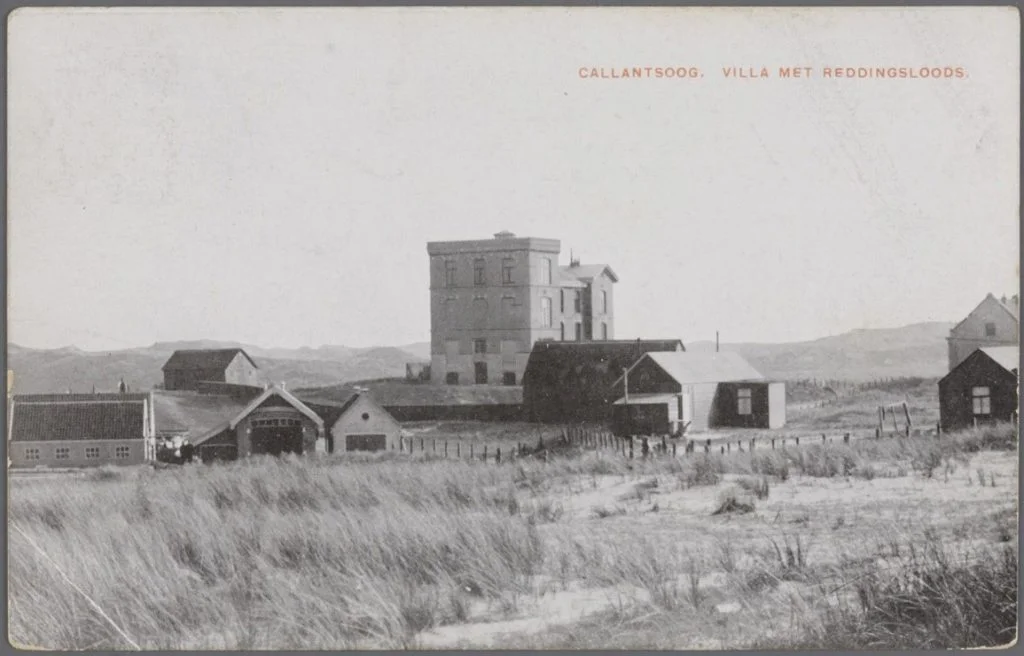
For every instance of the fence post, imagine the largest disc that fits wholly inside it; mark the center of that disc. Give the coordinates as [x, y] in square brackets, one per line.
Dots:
[497, 456]
[458, 450]
[797, 440]
[707, 447]
[846, 438]
[723, 450]
[728, 447]
[822, 438]
[421, 444]
[938, 429]
[673, 449]
[878, 433]
[471, 450]
[783, 441]
[752, 442]
[433, 445]
[664, 445]
[773, 444]
[485, 453]
[446, 448]
[908, 430]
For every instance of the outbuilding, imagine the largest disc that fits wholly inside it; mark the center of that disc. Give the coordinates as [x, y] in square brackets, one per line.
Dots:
[982, 389]
[357, 424]
[80, 430]
[572, 381]
[676, 392]
[273, 423]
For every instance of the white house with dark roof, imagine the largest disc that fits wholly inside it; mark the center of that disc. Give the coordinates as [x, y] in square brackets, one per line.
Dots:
[994, 322]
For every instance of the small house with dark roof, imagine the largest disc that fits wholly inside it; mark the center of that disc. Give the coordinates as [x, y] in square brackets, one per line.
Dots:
[357, 424]
[186, 369]
[994, 322]
[670, 393]
[572, 381]
[80, 430]
[980, 390]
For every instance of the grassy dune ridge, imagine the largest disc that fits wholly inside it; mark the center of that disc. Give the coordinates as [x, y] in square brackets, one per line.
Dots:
[342, 552]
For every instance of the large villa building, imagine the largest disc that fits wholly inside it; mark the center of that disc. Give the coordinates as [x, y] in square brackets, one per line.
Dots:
[492, 299]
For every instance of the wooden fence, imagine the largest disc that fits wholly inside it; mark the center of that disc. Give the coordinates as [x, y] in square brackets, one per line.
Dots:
[601, 440]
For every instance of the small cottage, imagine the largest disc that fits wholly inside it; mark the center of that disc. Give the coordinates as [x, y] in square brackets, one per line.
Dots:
[357, 424]
[982, 389]
[676, 392]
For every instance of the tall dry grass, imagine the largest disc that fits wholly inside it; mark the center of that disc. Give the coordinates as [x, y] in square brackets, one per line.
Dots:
[369, 551]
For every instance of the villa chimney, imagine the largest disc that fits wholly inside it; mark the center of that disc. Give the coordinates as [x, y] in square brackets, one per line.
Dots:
[504, 234]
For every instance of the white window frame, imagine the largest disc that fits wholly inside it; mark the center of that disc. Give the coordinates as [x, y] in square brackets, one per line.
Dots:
[450, 270]
[122, 452]
[62, 453]
[480, 272]
[604, 301]
[92, 453]
[992, 325]
[545, 271]
[32, 453]
[744, 401]
[545, 312]
[508, 266]
[477, 343]
[981, 401]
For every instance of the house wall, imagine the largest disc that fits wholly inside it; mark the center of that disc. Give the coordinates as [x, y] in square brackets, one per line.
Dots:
[377, 422]
[243, 431]
[970, 335]
[601, 284]
[643, 419]
[956, 410]
[16, 452]
[242, 372]
[776, 405]
[727, 413]
[189, 379]
[704, 416]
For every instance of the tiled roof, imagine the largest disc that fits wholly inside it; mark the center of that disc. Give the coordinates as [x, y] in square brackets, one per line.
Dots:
[190, 414]
[204, 359]
[589, 271]
[691, 368]
[52, 417]
[1007, 357]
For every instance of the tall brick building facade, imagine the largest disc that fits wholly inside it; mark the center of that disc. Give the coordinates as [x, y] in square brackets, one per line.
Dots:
[492, 299]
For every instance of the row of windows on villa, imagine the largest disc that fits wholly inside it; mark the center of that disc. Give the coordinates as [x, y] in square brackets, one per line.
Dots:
[545, 307]
[64, 452]
[508, 265]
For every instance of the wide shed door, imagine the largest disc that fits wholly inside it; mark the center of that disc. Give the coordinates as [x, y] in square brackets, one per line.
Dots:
[366, 442]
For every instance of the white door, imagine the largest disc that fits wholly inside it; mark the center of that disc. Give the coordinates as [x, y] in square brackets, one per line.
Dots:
[686, 412]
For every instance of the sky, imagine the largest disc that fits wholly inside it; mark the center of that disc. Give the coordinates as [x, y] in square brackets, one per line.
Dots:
[272, 176]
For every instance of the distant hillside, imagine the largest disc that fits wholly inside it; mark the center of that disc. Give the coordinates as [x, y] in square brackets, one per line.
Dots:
[859, 355]
[57, 370]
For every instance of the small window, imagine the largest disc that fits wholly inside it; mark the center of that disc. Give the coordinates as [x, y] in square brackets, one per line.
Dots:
[507, 265]
[509, 378]
[561, 294]
[366, 416]
[122, 452]
[92, 452]
[31, 453]
[577, 300]
[562, 331]
[62, 453]
[579, 332]
[479, 272]
[990, 330]
[451, 378]
[981, 401]
[545, 312]
[449, 273]
[604, 302]
[479, 346]
[604, 331]
[744, 405]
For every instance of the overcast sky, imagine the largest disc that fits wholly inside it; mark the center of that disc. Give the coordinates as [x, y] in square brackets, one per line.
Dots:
[272, 176]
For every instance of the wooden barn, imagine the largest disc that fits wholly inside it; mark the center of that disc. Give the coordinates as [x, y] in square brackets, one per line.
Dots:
[676, 392]
[187, 369]
[981, 389]
[80, 430]
[357, 424]
[273, 423]
[572, 381]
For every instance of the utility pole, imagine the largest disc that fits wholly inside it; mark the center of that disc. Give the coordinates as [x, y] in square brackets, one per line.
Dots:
[625, 383]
